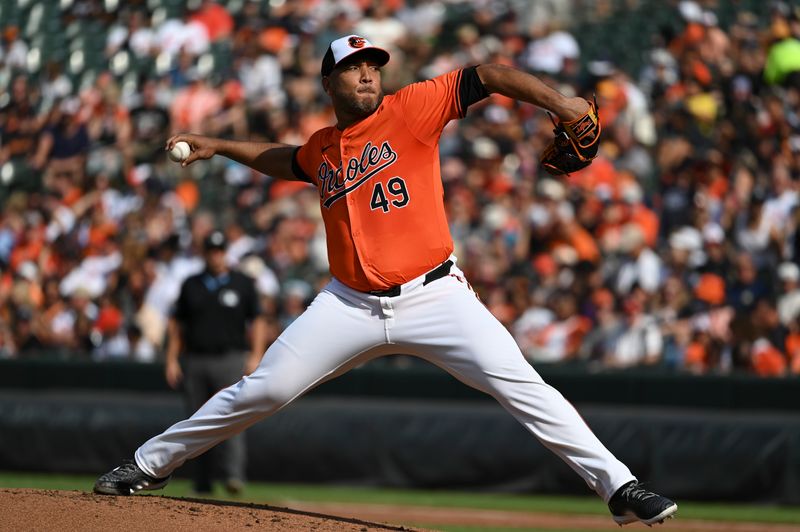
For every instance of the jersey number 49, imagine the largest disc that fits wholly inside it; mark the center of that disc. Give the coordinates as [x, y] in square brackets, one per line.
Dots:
[397, 191]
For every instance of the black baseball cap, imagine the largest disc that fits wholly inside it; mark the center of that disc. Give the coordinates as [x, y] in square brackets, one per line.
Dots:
[215, 240]
[344, 47]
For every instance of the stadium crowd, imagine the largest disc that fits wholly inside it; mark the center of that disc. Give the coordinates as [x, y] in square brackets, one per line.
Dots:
[678, 247]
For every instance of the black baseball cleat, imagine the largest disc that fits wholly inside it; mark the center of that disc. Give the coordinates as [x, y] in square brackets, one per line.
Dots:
[632, 503]
[127, 479]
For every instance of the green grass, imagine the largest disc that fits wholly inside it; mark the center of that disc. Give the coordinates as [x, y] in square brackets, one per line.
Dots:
[285, 494]
[454, 528]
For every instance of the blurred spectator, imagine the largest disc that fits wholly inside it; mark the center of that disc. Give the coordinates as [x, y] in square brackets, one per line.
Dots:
[8, 348]
[789, 300]
[552, 50]
[194, 104]
[109, 336]
[133, 32]
[606, 328]
[109, 127]
[261, 77]
[296, 296]
[63, 144]
[25, 339]
[150, 125]
[174, 36]
[766, 359]
[230, 121]
[19, 121]
[140, 349]
[717, 261]
[640, 340]
[14, 49]
[558, 334]
[711, 327]
[381, 28]
[170, 269]
[747, 287]
[642, 267]
[217, 21]
[56, 86]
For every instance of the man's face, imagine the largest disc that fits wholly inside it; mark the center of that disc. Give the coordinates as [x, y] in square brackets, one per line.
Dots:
[215, 259]
[355, 87]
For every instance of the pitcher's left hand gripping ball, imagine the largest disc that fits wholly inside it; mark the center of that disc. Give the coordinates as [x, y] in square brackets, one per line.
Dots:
[575, 144]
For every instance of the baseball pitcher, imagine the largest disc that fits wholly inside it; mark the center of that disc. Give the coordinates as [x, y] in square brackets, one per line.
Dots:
[396, 287]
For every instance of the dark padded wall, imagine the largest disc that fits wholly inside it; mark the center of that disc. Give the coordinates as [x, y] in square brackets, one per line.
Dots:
[697, 454]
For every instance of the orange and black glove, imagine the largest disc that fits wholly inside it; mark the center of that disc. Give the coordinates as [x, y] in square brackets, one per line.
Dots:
[575, 143]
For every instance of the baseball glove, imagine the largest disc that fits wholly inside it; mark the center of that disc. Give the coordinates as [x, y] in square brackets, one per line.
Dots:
[575, 143]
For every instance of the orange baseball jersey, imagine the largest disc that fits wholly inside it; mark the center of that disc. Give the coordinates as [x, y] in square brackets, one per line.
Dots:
[380, 186]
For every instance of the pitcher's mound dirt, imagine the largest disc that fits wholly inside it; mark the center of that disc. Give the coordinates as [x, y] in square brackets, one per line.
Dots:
[66, 511]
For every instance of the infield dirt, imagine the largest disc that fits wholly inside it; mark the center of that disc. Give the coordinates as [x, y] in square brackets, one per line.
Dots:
[67, 511]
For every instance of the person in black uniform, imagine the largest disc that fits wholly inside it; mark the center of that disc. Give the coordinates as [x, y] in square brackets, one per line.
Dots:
[207, 349]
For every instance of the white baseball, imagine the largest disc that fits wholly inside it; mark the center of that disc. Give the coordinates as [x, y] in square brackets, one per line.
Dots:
[180, 151]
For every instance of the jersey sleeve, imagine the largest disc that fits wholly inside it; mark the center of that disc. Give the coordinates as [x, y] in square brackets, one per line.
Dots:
[303, 160]
[429, 105]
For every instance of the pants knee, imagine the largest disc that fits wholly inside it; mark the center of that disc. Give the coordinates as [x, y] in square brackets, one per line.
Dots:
[253, 394]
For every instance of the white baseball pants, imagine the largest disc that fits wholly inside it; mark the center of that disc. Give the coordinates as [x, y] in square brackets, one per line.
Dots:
[442, 322]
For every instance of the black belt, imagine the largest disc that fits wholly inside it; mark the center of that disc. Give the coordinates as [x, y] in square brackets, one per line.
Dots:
[437, 273]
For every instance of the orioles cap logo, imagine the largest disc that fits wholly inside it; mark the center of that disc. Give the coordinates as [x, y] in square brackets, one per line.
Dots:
[356, 42]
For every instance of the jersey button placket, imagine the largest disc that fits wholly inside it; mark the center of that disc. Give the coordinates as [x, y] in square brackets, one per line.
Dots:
[352, 214]
[344, 152]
